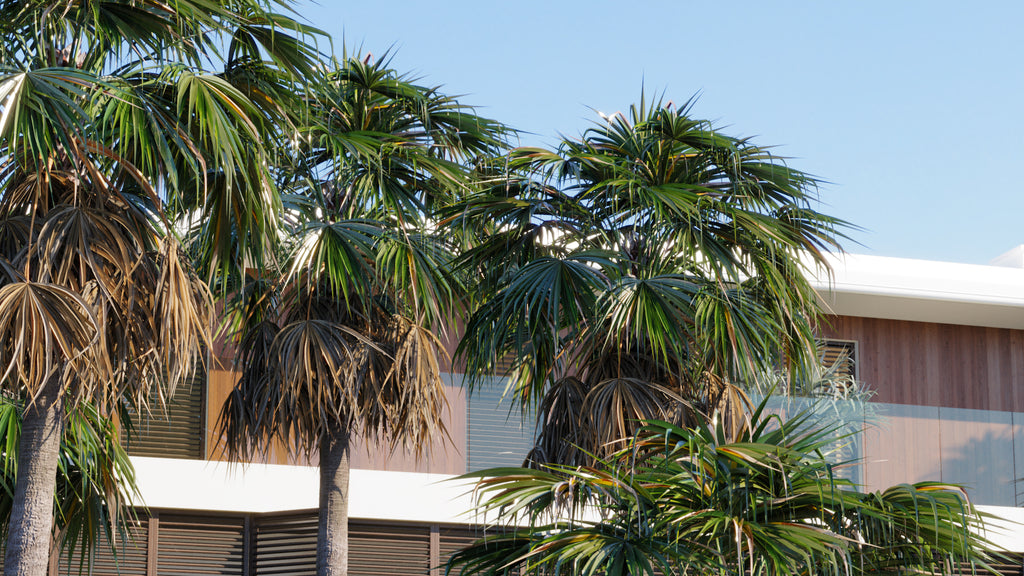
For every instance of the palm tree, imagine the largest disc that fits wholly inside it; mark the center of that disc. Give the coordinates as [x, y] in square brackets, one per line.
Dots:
[691, 500]
[343, 338]
[95, 480]
[642, 271]
[110, 126]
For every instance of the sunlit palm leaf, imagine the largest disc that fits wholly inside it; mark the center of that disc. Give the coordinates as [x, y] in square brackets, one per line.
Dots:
[703, 237]
[687, 498]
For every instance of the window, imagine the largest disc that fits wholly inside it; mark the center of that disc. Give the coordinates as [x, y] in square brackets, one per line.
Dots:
[499, 433]
[841, 357]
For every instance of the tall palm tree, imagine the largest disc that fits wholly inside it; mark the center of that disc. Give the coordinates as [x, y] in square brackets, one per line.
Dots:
[95, 481]
[641, 271]
[110, 126]
[343, 339]
[691, 500]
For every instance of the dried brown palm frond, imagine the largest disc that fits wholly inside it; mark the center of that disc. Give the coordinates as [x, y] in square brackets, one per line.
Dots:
[153, 311]
[39, 189]
[318, 362]
[184, 313]
[14, 236]
[77, 244]
[379, 378]
[413, 395]
[616, 408]
[730, 403]
[250, 411]
[564, 434]
[44, 331]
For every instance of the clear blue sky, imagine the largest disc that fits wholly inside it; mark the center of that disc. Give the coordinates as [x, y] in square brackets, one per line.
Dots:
[912, 111]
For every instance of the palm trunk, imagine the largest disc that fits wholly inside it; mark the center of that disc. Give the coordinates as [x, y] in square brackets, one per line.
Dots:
[332, 536]
[28, 539]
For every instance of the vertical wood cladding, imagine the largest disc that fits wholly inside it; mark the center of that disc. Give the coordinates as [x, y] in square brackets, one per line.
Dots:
[445, 455]
[928, 364]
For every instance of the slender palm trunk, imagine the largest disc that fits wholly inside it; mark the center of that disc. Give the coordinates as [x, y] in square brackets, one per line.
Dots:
[332, 536]
[28, 538]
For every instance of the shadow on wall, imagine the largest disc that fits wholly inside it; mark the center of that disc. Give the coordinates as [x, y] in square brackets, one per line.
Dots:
[975, 448]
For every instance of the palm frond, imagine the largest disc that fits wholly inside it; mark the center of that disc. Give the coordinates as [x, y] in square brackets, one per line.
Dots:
[45, 330]
[682, 498]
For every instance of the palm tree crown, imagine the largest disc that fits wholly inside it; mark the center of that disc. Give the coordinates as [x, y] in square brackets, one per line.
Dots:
[111, 126]
[343, 337]
[688, 500]
[640, 272]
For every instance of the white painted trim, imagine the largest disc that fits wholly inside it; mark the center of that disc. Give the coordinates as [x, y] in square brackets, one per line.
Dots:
[920, 290]
[231, 487]
[922, 279]
[374, 494]
[1006, 530]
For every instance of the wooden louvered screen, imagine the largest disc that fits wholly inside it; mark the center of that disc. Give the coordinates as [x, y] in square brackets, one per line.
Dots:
[129, 561]
[455, 538]
[176, 433]
[201, 546]
[1012, 565]
[842, 355]
[286, 545]
[499, 434]
[502, 366]
[388, 550]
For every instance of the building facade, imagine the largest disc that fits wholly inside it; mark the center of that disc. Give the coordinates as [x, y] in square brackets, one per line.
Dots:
[941, 346]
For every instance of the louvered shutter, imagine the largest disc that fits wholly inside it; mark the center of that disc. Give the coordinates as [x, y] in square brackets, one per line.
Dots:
[286, 545]
[1011, 564]
[453, 539]
[388, 550]
[201, 546]
[130, 559]
[497, 436]
[842, 355]
[178, 433]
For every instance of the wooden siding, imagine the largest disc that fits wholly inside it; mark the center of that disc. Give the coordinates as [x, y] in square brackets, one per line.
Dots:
[443, 456]
[928, 364]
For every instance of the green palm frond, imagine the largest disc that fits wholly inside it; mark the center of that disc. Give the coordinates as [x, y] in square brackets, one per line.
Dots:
[95, 480]
[345, 336]
[678, 499]
[704, 242]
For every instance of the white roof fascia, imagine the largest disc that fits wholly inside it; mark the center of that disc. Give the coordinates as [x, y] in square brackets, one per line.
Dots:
[922, 290]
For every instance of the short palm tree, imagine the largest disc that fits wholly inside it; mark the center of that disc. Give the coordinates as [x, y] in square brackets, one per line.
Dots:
[343, 339]
[110, 126]
[690, 500]
[641, 272]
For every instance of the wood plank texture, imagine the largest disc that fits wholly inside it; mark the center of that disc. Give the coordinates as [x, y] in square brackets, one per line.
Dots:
[443, 456]
[977, 452]
[927, 364]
